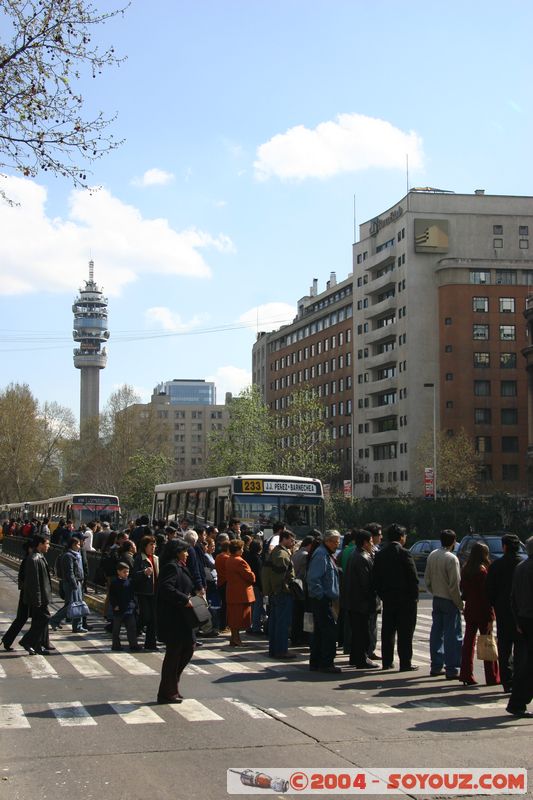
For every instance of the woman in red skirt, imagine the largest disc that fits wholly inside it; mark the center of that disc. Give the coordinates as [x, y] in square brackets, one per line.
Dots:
[239, 592]
[478, 613]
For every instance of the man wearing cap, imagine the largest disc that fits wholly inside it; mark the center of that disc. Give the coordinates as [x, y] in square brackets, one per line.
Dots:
[498, 588]
[522, 606]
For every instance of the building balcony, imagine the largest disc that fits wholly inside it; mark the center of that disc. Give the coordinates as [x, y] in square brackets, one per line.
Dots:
[387, 332]
[384, 385]
[382, 359]
[527, 352]
[378, 284]
[378, 412]
[379, 309]
[381, 437]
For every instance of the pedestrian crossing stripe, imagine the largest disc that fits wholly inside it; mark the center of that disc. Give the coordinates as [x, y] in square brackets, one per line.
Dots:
[135, 712]
[322, 711]
[39, 667]
[71, 714]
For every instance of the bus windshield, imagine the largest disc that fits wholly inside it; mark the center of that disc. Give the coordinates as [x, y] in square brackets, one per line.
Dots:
[300, 514]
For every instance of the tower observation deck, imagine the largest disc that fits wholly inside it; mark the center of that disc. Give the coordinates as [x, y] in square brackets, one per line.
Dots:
[90, 332]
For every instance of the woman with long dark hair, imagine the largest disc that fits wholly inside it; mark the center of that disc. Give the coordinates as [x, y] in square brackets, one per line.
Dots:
[478, 613]
[174, 589]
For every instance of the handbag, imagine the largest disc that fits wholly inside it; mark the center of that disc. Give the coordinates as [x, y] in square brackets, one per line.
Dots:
[487, 649]
[78, 609]
[197, 613]
[296, 588]
[309, 622]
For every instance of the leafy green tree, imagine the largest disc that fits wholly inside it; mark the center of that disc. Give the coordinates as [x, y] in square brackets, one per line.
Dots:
[145, 471]
[45, 50]
[305, 445]
[247, 444]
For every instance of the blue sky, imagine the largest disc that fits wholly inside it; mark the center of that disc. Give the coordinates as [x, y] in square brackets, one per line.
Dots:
[249, 127]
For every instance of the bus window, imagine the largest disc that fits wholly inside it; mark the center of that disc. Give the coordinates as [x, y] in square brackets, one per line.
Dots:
[190, 506]
[200, 508]
[181, 504]
[172, 502]
[211, 501]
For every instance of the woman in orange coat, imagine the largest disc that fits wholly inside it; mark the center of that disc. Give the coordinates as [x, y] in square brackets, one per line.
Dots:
[239, 592]
[220, 565]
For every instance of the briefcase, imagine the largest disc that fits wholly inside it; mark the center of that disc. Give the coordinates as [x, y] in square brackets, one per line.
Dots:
[199, 613]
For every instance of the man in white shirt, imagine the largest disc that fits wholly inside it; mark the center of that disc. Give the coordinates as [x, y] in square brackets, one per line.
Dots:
[443, 577]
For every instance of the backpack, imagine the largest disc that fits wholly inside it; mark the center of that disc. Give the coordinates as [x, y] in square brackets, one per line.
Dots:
[58, 566]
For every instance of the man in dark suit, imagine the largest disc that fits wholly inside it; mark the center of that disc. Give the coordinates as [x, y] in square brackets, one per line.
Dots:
[37, 596]
[498, 587]
[396, 582]
[360, 599]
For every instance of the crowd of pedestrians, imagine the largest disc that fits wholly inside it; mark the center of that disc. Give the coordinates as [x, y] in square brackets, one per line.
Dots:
[319, 595]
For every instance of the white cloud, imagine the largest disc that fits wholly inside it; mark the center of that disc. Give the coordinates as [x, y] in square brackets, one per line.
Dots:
[41, 253]
[269, 316]
[153, 177]
[230, 379]
[172, 321]
[350, 143]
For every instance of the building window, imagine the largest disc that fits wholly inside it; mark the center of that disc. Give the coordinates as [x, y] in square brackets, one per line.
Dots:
[508, 360]
[497, 230]
[449, 376]
[480, 304]
[507, 305]
[508, 388]
[509, 416]
[506, 277]
[485, 472]
[482, 388]
[509, 444]
[497, 244]
[482, 416]
[447, 320]
[483, 444]
[510, 472]
[507, 333]
[449, 403]
[480, 332]
[479, 276]
[523, 244]
[482, 360]
[448, 348]
[523, 230]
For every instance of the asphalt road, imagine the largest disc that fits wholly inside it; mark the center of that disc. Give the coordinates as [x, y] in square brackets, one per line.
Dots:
[84, 723]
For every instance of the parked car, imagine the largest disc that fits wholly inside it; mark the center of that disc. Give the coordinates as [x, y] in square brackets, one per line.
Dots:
[420, 551]
[493, 542]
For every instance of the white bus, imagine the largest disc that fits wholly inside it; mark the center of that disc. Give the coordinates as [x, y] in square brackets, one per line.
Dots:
[75, 508]
[258, 500]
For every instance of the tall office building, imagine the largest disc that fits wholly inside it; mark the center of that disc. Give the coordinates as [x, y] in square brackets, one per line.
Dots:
[90, 331]
[440, 284]
[434, 308]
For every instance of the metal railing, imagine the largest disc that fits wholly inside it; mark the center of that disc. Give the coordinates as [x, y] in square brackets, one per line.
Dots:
[13, 546]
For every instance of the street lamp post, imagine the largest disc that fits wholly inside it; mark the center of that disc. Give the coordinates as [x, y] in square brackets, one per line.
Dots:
[432, 386]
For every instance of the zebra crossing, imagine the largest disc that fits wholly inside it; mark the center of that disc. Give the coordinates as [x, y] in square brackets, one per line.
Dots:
[93, 659]
[136, 712]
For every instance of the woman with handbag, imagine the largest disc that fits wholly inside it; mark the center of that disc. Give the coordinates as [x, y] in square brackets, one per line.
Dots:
[239, 592]
[174, 588]
[478, 614]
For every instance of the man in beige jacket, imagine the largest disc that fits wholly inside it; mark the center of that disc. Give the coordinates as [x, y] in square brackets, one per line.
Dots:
[443, 577]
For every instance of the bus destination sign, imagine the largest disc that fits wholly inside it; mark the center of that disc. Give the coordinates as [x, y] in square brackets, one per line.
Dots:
[260, 486]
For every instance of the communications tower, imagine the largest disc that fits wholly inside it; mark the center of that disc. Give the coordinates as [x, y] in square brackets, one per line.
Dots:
[90, 331]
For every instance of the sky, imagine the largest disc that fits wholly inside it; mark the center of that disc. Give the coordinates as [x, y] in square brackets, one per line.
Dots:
[257, 135]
